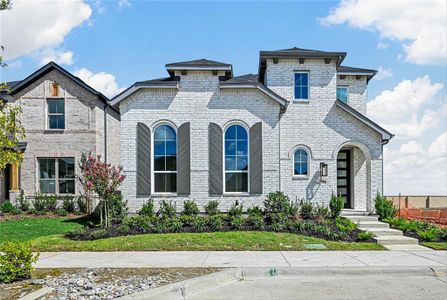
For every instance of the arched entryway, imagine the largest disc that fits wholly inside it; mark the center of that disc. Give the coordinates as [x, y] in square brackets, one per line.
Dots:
[354, 175]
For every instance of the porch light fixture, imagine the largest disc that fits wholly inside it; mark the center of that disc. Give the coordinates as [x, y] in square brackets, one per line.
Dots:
[323, 170]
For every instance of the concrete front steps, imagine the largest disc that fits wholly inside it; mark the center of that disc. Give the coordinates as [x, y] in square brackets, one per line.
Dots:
[384, 235]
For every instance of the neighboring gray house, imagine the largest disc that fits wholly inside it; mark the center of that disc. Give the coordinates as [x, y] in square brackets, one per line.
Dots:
[63, 117]
[298, 126]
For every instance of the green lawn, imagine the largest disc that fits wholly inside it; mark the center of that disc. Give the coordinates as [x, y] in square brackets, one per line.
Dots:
[219, 241]
[29, 229]
[435, 245]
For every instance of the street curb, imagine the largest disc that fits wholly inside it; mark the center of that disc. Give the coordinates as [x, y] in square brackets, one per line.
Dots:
[184, 289]
[37, 294]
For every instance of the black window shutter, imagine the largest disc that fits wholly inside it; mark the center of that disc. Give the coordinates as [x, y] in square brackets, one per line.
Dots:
[143, 160]
[184, 160]
[256, 159]
[215, 154]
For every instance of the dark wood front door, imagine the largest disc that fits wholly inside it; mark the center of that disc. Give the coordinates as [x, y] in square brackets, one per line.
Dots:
[344, 176]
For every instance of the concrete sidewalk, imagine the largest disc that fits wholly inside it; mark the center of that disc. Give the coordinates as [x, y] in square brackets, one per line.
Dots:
[247, 259]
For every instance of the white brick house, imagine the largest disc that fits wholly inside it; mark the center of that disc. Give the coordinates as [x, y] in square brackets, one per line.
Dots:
[203, 134]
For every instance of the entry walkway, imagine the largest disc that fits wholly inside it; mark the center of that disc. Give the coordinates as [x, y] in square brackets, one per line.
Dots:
[247, 259]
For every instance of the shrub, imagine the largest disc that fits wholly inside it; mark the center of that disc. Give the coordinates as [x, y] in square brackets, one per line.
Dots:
[98, 234]
[336, 205]
[212, 208]
[50, 202]
[254, 211]
[187, 220]
[237, 222]
[384, 207]
[23, 203]
[345, 225]
[124, 229]
[199, 223]
[430, 235]
[216, 222]
[278, 226]
[141, 224]
[257, 221]
[61, 212]
[190, 208]
[297, 227]
[147, 209]
[8, 208]
[235, 209]
[307, 210]
[117, 208]
[39, 202]
[173, 224]
[321, 212]
[277, 202]
[16, 260]
[278, 221]
[82, 203]
[365, 236]
[68, 204]
[166, 210]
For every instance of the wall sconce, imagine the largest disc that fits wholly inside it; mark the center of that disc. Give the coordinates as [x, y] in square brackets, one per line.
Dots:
[323, 170]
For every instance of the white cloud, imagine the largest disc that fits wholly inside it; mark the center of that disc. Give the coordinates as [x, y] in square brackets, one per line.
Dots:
[59, 57]
[381, 45]
[420, 25]
[34, 25]
[413, 170]
[383, 73]
[102, 81]
[404, 110]
[123, 4]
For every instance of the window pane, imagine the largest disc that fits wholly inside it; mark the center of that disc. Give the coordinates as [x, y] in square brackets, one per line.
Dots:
[171, 163]
[52, 122]
[159, 147]
[48, 186]
[159, 163]
[171, 182]
[230, 182]
[242, 163]
[241, 133]
[304, 93]
[243, 182]
[242, 147]
[230, 133]
[170, 133]
[342, 155]
[230, 162]
[66, 186]
[342, 191]
[297, 93]
[230, 148]
[303, 169]
[56, 106]
[342, 164]
[342, 182]
[342, 173]
[342, 94]
[171, 148]
[159, 179]
[66, 168]
[165, 182]
[236, 182]
[160, 133]
[47, 168]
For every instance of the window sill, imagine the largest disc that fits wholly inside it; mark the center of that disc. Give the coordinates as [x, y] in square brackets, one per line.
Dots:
[301, 101]
[236, 194]
[53, 131]
[300, 177]
[164, 195]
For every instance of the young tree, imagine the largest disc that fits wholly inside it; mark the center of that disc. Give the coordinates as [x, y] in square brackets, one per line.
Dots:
[11, 132]
[103, 179]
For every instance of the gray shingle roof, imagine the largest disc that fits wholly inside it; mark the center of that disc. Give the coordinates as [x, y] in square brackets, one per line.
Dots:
[345, 70]
[159, 81]
[199, 63]
[243, 79]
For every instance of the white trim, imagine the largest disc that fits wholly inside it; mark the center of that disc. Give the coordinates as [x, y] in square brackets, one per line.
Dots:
[301, 147]
[154, 128]
[133, 89]
[247, 129]
[308, 86]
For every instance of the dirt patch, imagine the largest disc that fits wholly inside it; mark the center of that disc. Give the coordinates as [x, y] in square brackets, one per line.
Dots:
[27, 216]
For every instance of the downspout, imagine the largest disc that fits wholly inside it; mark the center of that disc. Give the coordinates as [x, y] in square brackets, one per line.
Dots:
[105, 132]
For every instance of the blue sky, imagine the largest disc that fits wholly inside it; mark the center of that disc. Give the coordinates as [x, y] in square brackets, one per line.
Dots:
[112, 44]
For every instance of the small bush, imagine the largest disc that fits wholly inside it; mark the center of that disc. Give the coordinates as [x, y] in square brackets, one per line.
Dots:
[254, 211]
[117, 208]
[190, 208]
[8, 208]
[365, 236]
[199, 223]
[173, 224]
[384, 208]
[124, 229]
[68, 204]
[39, 202]
[307, 210]
[237, 222]
[147, 209]
[142, 224]
[321, 212]
[98, 234]
[256, 220]
[278, 226]
[235, 209]
[277, 202]
[50, 202]
[212, 208]
[82, 203]
[278, 221]
[430, 235]
[61, 212]
[336, 205]
[16, 261]
[345, 225]
[167, 210]
[23, 203]
[216, 222]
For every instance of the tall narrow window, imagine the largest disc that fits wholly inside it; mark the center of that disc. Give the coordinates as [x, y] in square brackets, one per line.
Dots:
[236, 159]
[165, 159]
[301, 164]
[343, 93]
[56, 114]
[57, 175]
[301, 85]
[54, 90]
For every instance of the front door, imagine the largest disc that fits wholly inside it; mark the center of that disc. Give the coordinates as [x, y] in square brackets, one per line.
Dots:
[344, 176]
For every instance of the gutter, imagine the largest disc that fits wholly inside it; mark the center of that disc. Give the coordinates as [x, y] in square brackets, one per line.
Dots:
[105, 132]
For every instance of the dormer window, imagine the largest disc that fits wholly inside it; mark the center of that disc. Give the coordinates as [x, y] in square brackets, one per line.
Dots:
[56, 114]
[301, 85]
[343, 93]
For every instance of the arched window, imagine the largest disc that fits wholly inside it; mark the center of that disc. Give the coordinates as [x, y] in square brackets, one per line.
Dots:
[165, 159]
[300, 162]
[236, 159]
